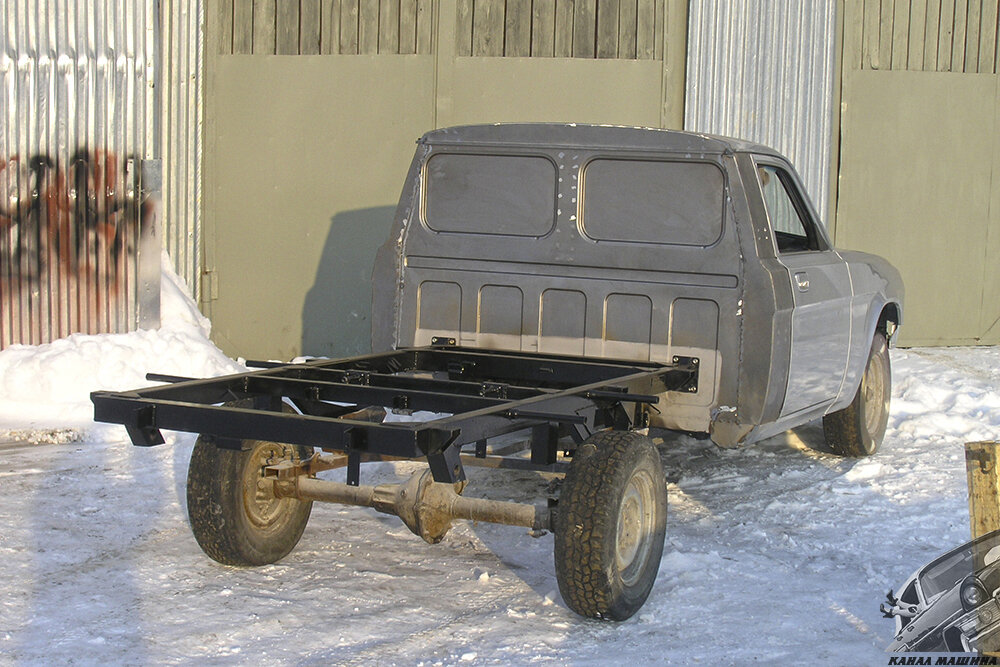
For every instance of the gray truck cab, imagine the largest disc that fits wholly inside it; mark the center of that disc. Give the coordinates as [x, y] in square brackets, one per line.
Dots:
[639, 244]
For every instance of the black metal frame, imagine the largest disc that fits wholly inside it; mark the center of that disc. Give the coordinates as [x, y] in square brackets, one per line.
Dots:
[486, 393]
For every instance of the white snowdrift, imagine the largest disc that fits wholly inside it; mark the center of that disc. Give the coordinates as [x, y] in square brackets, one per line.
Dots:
[45, 389]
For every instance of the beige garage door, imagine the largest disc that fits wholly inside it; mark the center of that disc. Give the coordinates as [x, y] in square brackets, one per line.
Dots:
[920, 160]
[312, 110]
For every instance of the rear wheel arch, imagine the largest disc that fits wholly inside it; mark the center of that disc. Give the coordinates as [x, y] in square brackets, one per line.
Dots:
[889, 319]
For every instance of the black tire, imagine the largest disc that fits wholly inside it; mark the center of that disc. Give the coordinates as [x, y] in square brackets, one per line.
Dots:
[235, 521]
[610, 525]
[858, 429]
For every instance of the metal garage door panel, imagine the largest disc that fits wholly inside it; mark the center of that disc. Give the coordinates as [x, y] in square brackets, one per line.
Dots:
[925, 204]
[303, 170]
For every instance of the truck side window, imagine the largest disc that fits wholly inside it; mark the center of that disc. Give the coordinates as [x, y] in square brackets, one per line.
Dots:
[791, 232]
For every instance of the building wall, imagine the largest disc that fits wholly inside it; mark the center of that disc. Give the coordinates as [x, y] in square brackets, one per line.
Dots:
[765, 71]
[887, 107]
[310, 127]
[78, 191]
[181, 115]
[920, 159]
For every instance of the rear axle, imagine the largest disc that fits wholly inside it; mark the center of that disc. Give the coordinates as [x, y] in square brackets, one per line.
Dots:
[425, 506]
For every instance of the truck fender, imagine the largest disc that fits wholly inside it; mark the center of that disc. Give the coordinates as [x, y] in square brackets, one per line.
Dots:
[880, 311]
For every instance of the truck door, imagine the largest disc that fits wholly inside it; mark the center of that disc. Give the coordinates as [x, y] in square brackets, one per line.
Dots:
[821, 291]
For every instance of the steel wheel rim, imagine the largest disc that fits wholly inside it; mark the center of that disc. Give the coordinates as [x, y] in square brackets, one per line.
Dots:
[873, 392]
[636, 523]
[263, 509]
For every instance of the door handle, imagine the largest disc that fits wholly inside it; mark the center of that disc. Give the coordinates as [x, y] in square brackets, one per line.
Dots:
[802, 281]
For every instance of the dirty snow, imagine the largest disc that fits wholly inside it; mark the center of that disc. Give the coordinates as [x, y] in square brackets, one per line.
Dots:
[777, 553]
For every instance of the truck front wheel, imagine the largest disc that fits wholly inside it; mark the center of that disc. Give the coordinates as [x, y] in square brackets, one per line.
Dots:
[235, 516]
[610, 525]
[858, 429]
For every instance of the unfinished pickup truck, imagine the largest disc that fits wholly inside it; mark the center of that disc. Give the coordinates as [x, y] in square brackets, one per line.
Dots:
[579, 285]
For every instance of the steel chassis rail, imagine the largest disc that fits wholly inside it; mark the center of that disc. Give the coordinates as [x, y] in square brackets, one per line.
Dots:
[485, 393]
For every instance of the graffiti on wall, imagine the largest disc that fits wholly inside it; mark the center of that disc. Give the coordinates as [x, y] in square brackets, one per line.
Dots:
[68, 237]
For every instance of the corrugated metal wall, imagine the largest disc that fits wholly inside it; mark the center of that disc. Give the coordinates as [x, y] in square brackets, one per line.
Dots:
[180, 134]
[78, 121]
[764, 70]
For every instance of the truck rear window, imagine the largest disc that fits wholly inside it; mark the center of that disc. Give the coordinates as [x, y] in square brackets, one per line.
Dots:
[490, 194]
[653, 201]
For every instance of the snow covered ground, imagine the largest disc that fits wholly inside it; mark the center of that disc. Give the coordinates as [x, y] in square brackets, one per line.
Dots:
[777, 553]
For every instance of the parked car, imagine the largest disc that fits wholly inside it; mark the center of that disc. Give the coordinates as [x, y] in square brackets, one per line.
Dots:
[952, 603]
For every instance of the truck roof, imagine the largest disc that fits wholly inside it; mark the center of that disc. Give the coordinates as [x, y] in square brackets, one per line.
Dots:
[574, 135]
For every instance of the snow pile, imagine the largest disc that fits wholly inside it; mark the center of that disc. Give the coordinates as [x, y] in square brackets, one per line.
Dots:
[962, 401]
[45, 389]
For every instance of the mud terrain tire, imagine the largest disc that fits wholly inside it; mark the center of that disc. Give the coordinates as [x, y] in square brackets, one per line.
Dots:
[610, 526]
